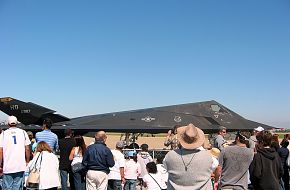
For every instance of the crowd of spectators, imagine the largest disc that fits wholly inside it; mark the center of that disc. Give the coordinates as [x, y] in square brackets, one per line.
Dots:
[253, 161]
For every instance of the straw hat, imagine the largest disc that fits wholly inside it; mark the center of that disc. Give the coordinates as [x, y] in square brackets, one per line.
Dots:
[190, 137]
[215, 152]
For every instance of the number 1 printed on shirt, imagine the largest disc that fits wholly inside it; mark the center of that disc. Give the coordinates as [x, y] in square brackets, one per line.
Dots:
[14, 137]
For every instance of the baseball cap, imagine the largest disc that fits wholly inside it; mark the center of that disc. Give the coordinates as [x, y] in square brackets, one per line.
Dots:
[120, 144]
[131, 153]
[12, 120]
[259, 129]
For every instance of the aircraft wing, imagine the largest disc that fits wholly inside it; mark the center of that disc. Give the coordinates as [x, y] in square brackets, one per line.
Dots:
[27, 112]
[208, 116]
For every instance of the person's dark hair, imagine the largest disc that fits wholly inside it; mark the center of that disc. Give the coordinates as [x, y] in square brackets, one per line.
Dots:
[267, 138]
[275, 137]
[275, 142]
[244, 137]
[174, 129]
[144, 147]
[151, 167]
[284, 143]
[68, 132]
[259, 137]
[133, 146]
[81, 143]
[47, 122]
[159, 159]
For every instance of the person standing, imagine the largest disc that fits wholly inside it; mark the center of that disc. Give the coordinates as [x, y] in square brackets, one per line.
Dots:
[116, 175]
[65, 146]
[47, 136]
[32, 141]
[76, 156]
[219, 141]
[253, 139]
[266, 169]
[47, 163]
[143, 157]
[189, 168]
[171, 138]
[284, 153]
[234, 162]
[97, 159]
[131, 171]
[153, 180]
[15, 154]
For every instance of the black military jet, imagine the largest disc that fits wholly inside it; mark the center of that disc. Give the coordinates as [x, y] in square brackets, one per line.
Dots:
[208, 116]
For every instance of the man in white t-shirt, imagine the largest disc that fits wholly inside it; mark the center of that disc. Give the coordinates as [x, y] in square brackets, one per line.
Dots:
[116, 175]
[15, 154]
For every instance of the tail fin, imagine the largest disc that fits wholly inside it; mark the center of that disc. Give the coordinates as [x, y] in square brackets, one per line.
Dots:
[27, 112]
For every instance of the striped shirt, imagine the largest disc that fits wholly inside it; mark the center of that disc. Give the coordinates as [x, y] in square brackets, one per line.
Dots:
[49, 137]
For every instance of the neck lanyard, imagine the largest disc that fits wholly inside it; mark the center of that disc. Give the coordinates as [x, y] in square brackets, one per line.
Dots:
[186, 165]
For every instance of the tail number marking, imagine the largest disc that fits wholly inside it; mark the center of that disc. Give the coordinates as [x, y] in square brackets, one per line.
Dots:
[14, 107]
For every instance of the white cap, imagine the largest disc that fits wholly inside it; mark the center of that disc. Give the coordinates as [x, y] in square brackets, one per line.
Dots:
[12, 120]
[259, 129]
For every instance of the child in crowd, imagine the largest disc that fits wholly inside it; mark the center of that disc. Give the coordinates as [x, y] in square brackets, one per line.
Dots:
[153, 180]
[131, 171]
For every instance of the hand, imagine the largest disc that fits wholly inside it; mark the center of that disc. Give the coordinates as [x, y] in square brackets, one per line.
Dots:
[169, 133]
[215, 186]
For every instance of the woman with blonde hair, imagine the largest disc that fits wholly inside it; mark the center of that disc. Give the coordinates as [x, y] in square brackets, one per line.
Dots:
[47, 163]
[76, 155]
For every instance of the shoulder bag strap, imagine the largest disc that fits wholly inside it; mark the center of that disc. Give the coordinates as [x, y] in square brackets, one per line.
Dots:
[34, 165]
[40, 160]
[76, 151]
[155, 180]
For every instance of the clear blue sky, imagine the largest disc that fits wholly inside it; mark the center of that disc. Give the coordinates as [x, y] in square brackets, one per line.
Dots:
[90, 57]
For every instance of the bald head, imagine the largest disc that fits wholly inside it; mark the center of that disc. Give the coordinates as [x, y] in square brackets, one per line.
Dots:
[101, 136]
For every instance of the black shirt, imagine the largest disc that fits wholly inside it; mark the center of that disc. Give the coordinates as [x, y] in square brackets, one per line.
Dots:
[65, 147]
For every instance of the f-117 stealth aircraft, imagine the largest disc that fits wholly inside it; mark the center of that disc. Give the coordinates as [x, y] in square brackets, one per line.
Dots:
[207, 115]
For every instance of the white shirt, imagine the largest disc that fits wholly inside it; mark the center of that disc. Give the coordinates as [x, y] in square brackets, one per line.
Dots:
[215, 164]
[152, 184]
[119, 163]
[143, 158]
[132, 169]
[163, 172]
[78, 157]
[49, 173]
[13, 142]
